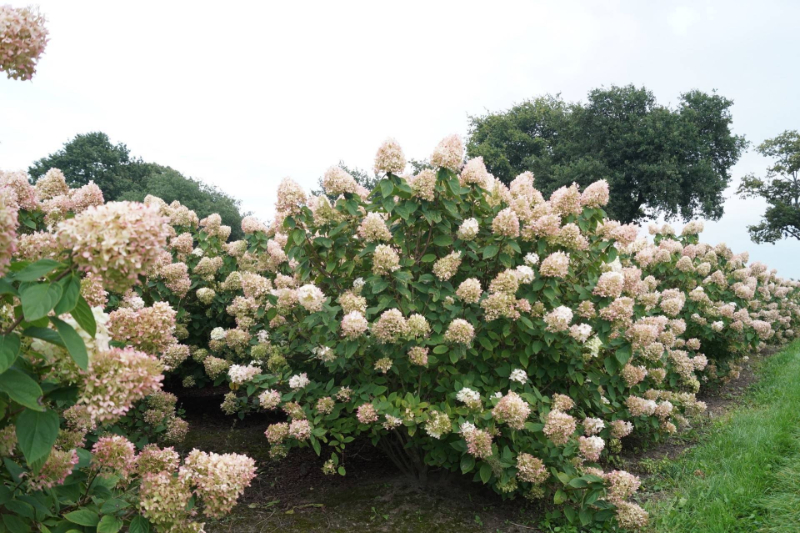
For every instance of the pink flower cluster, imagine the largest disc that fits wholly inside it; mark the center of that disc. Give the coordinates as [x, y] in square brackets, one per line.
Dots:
[116, 454]
[447, 267]
[55, 470]
[511, 409]
[373, 229]
[116, 241]
[116, 379]
[151, 329]
[531, 469]
[555, 265]
[8, 227]
[23, 37]
[448, 153]
[219, 479]
[390, 158]
[559, 426]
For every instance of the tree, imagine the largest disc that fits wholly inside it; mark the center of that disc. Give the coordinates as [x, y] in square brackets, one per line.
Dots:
[780, 188]
[657, 160]
[170, 185]
[92, 157]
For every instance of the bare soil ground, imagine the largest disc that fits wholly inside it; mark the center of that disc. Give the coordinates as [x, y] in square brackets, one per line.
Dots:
[294, 495]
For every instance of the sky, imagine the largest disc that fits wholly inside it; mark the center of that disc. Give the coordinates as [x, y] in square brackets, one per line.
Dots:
[243, 94]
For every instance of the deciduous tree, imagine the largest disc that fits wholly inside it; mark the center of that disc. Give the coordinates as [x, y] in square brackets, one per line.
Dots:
[780, 188]
[657, 160]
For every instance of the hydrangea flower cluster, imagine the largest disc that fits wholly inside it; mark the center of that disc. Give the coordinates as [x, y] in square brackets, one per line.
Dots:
[116, 241]
[117, 378]
[23, 38]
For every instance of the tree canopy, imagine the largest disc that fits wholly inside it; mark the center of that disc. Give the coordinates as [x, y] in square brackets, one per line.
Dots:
[93, 157]
[780, 188]
[657, 160]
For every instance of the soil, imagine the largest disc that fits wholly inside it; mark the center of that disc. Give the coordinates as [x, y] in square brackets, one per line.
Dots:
[294, 494]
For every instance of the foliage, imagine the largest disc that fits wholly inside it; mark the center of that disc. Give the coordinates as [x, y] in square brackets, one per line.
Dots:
[657, 160]
[170, 185]
[453, 321]
[91, 157]
[780, 188]
[347, 314]
[73, 394]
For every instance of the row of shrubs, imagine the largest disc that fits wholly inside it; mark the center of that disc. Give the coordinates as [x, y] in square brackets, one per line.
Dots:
[455, 322]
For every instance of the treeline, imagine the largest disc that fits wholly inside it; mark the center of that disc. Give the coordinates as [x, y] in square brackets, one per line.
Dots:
[121, 176]
[658, 160]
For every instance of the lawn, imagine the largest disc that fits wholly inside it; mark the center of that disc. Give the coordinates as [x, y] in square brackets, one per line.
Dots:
[745, 475]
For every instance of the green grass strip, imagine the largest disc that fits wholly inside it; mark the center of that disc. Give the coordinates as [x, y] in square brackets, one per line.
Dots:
[750, 463]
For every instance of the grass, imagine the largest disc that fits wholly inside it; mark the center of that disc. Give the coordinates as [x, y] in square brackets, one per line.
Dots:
[746, 476]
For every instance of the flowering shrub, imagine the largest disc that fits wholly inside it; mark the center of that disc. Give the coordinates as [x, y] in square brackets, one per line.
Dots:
[453, 321]
[77, 384]
[462, 324]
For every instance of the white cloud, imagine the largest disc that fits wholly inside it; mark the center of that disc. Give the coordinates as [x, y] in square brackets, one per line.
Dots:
[242, 94]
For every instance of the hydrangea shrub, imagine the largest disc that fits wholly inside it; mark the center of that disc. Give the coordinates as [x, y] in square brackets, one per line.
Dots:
[462, 324]
[78, 384]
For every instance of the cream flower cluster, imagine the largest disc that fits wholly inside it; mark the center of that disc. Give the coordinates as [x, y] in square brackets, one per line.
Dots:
[116, 241]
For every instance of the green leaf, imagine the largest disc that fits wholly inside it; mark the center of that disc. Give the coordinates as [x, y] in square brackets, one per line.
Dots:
[83, 517]
[7, 288]
[454, 185]
[45, 334]
[440, 349]
[578, 483]
[15, 524]
[113, 505]
[443, 240]
[36, 433]
[39, 299]
[612, 367]
[467, 463]
[83, 315]
[21, 388]
[37, 270]
[586, 516]
[428, 258]
[623, 354]
[71, 291]
[14, 469]
[379, 286]
[490, 251]
[73, 342]
[9, 349]
[298, 236]
[486, 473]
[386, 188]
[109, 524]
[560, 497]
[21, 508]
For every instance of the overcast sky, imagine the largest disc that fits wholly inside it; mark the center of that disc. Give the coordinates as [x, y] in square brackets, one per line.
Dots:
[241, 94]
